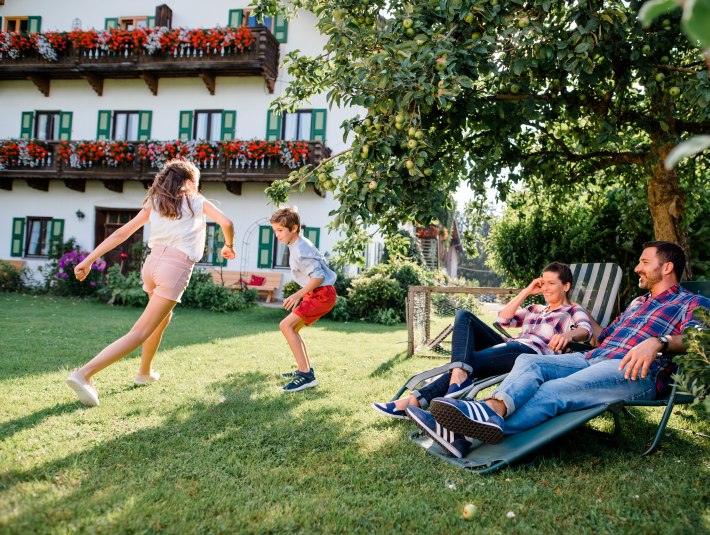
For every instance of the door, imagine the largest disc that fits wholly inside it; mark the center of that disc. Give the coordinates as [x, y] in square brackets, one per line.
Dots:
[108, 220]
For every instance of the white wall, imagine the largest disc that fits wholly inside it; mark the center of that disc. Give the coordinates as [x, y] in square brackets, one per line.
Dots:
[247, 95]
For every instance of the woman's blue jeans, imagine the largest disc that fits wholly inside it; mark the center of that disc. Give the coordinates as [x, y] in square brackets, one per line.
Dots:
[476, 348]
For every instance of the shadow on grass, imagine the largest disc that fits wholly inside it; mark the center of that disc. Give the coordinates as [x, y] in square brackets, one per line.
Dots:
[9, 428]
[389, 364]
[248, 443]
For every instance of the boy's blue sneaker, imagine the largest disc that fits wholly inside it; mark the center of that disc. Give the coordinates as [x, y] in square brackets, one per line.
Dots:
[455, 389]
[454, 443]
[389, 409]
[301, 381]
[469, 418]
[292, 373]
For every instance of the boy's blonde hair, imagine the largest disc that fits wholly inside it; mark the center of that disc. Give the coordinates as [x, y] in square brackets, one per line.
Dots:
[286, 217]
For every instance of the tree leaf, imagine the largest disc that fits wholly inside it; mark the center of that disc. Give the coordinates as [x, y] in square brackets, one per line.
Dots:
[654, 9]
[687, 148]
[696, 21]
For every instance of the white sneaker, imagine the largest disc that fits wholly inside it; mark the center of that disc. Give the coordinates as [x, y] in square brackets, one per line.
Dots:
[83, 388]
[143, 379]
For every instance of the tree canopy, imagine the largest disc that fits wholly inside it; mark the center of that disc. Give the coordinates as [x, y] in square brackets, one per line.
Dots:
[554, 95]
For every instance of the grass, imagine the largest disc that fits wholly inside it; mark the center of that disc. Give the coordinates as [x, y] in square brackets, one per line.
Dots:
[215, 447]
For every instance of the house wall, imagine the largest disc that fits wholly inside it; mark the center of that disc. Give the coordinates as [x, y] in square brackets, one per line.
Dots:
[247, 95]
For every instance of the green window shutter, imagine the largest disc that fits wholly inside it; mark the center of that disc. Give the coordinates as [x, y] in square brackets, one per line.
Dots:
[150, 22]
[217, 259]
[28, 119]
[318, 125]
[312, 234]
[145, 121]
[34, 24]
[18, 236]
[281, 28]
[235, 18]
[65, 119]
[56, 236]
[229, 123]
[0, 23]
[185, 126]
[266, 246]
[110, 24]
[273, 125]
[103, 130]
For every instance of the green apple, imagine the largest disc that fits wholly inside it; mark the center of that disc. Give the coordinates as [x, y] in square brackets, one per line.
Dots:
[469, 17]
[523, 22]
[372, 184]
[664, 59]
[365, 151]
[418, 134]
[660, 77]
[411, 131]
[407, 23]
[412, 144]
[410, 32]
[409, 164]
[515, 89]
[476, 35]
[440, 64]
[646, 50]
[674, 91]
[469, 511]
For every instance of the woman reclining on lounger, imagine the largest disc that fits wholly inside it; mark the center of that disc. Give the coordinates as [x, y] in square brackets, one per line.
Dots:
[478, 351]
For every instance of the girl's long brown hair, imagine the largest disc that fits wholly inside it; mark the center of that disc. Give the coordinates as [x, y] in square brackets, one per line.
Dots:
[169, 188]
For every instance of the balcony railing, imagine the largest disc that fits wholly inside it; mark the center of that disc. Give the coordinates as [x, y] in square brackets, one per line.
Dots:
[94, 64]
[232, 163]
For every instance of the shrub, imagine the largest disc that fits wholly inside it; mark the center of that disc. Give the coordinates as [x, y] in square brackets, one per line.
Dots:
[695, 362]
[125, 290]
[340, 311]
[290, 288]
[369, 295]
[66, 283]
[386, 317]
[202, 292]
[11, 278]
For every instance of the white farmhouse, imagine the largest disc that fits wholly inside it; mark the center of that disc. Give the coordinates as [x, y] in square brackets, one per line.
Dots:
[94, 96]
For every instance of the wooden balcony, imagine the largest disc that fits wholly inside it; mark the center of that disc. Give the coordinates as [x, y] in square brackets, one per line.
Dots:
[94, 65]
[233, 172]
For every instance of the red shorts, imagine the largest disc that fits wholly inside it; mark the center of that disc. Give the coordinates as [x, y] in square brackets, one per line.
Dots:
[316, 304]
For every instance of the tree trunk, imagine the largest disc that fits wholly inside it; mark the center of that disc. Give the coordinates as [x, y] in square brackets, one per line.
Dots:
[666, 203]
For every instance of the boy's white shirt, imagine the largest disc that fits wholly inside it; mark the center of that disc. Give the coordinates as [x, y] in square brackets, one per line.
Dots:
[308, 263]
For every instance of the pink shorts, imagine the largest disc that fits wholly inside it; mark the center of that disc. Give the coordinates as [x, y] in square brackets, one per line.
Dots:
[166, 272]
[316, 304]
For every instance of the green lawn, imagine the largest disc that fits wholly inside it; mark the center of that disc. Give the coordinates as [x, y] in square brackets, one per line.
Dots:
[216, 447]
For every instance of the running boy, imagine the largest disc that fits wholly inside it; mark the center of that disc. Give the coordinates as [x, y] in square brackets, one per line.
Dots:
[317, 295]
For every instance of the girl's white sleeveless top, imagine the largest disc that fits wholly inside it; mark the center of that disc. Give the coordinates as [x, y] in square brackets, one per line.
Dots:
[186, 234]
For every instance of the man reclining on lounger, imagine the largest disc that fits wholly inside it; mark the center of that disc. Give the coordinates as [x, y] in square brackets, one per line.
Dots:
[627, 365]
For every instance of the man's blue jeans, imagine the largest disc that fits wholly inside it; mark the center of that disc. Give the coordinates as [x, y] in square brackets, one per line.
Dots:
[476, 348]
[542, 386]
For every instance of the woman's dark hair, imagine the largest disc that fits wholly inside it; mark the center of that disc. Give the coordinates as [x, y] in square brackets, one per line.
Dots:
[169, 189]
[564, 273]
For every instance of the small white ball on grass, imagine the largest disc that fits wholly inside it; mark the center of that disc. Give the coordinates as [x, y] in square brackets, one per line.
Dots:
[469, 511]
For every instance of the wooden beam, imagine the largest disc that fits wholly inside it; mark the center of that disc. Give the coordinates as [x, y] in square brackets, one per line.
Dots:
[41, 82]
[113, 185]
[6, 183]
[151, 80]
[210, 81]
[41, 184]
[96, 82]
[77, 184]
[234, 187]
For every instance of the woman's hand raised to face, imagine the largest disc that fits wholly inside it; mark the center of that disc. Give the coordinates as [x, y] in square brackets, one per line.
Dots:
[535, 287]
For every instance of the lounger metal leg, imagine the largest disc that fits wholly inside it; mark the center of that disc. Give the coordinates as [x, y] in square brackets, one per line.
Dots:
[662, 426]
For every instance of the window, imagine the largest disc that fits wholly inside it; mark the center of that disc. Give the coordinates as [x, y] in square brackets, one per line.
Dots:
[297, 126]
[273, 254]
[208, 125]
[125, 125]
[47, 125]
[278, 25]
[35, 236]
[213, 246]
[51, 125]
[211, 125]
[300, 125]
[131, 23]
[17, 24]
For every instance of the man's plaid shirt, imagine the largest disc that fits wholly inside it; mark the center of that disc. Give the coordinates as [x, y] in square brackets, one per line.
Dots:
[668, 313]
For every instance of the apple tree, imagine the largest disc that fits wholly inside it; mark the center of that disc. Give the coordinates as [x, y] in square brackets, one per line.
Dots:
[553, 95]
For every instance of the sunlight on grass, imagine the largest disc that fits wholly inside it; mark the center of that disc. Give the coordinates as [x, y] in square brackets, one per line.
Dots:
[216, 446]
